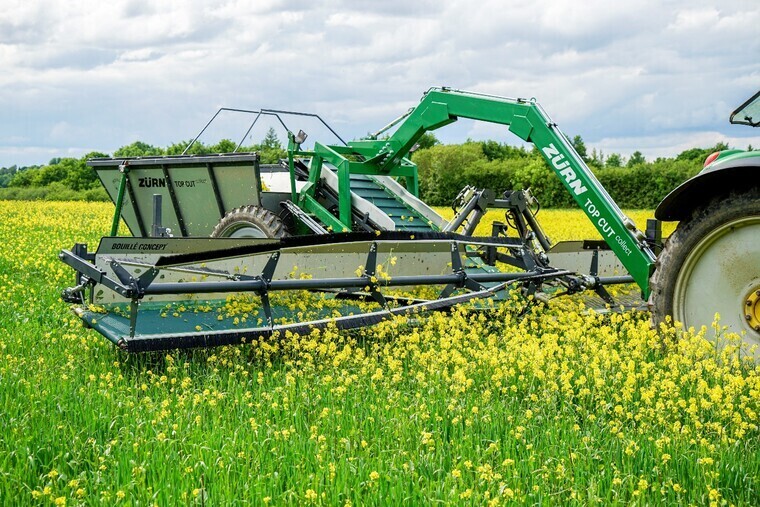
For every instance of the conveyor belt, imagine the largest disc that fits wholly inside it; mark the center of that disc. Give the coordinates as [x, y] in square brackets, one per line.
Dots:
[404, 216]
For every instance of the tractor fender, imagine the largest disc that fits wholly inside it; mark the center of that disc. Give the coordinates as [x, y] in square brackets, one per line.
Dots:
[713, 181]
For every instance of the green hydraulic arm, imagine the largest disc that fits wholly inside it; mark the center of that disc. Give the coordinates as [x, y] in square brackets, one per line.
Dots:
[528, 121]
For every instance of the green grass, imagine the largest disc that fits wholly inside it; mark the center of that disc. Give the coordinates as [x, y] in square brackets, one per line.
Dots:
[468, 408]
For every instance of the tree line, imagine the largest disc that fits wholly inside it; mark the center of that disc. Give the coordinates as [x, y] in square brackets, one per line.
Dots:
[71, 179]
[444, 169]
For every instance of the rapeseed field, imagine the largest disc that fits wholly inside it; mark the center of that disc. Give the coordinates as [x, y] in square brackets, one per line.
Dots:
[556, 406]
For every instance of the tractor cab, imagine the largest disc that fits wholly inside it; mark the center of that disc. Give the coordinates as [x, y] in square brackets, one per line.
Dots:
[748, 113]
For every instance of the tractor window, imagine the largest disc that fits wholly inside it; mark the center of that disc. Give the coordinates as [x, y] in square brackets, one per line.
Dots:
[748, 113]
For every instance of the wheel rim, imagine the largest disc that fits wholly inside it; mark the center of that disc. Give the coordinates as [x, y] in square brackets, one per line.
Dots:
[752, 309]
[719, 276]
[243, 230]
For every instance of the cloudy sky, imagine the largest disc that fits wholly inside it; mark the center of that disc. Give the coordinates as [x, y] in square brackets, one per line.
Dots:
[655, 76]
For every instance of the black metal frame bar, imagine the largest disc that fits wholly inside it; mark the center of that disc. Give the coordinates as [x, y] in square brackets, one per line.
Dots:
[133, 203]
[257, 284]
[333, 238]
[175, 202]
[302, 217]
[84, 268]
[267, 112]
[215, 188]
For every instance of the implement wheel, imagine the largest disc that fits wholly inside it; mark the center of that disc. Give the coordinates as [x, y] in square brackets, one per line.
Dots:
[250, 222]
[711, 264]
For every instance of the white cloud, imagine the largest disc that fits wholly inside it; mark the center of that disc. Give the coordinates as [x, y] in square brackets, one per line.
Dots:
[641, 74]
[694, 19]
[667, 145]
[139, 55]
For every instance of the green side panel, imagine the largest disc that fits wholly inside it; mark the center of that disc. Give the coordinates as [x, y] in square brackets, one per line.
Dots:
[195, 199]
[110, 178]
[196, 191]
[239, 185]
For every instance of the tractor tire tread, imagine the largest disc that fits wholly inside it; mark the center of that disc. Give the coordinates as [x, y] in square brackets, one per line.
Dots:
[262, 218]
[687, 235]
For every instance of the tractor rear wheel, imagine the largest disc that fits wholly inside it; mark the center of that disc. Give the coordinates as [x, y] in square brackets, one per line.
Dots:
[711, 264]
[250, 222]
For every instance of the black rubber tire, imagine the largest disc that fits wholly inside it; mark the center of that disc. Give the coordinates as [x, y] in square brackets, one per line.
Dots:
[251, 217]
[687, 238]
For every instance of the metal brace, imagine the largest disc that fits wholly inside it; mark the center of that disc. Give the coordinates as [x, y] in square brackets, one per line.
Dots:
[369, 274]
[126, 278]
[456, 266]
[598, 287]
[136, 289]
[266, 275]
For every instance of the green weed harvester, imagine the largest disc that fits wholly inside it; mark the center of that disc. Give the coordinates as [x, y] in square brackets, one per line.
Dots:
[339, 237]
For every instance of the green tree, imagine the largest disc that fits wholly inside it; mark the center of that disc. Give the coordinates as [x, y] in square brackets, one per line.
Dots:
[7, 174]
[48, 174]
[270, 149]
[494, 150]
[224, 146]
[580, 147]
[637, 158]
[80, 176]
[270, 141]
[614, 160]
[440, 168]
[700, 154]
[198, 148]
[22, 178]
[428, 140]
[597, 158]
[138, 149]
